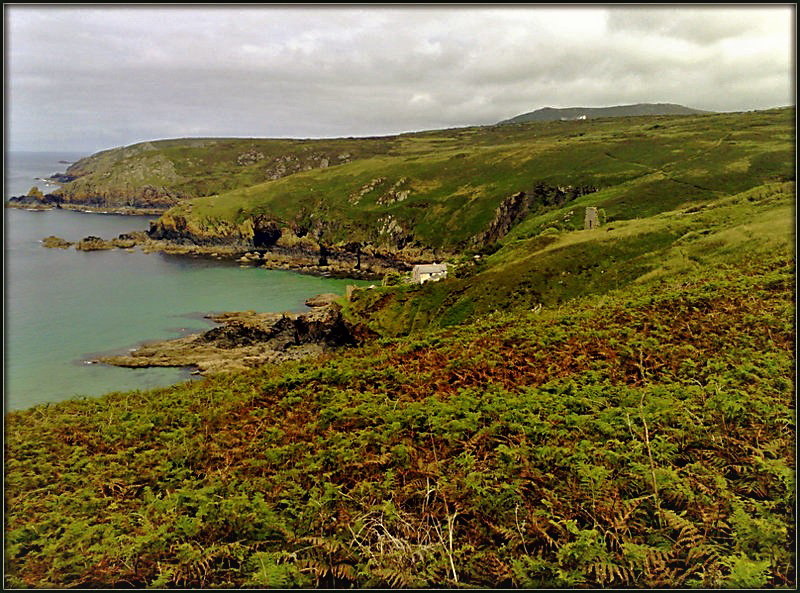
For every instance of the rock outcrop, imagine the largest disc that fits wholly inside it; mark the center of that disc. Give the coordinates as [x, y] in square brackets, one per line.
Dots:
[322, 300]
[92, 243]
[137, 179]
[516, 207]
[145, 199]
[56, 242]
[277, 244]
[246, 340]
[35, 200]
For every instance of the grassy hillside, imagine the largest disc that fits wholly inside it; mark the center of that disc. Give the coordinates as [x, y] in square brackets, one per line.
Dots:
[542, 264]
[440, 189]
[456, 179]
[604, 408]
[195, 167]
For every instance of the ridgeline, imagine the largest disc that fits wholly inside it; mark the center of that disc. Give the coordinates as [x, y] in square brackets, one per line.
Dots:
[567, 113]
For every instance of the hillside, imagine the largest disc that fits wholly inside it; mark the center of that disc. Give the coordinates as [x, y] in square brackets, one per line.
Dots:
[161, 173]
[427, 196]
[568, 113]
[574, 408]
[543, 263]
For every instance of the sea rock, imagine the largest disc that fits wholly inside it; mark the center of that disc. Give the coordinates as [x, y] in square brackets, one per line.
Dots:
[92, 243]
[62, 177]
[237, 333]
[35, 193]
[35, 200]
[56, 242]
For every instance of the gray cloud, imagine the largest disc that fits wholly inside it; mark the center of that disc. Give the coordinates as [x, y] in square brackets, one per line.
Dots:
[92, 78]
[700, 25]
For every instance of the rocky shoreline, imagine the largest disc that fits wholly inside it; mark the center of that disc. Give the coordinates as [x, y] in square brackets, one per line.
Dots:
[247, 339]
[256, 241]
[55, 202]
[367, 265]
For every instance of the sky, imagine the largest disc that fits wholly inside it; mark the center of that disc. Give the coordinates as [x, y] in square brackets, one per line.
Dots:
[95, 77]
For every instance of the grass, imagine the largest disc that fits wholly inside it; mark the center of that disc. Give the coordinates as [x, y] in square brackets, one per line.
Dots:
[643, 438]
[456, 177]
[535, 268]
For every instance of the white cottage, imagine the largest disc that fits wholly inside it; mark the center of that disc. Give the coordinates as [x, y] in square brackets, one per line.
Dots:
[423, 272]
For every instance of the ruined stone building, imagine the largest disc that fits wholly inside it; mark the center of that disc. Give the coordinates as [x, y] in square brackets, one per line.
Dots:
[592, 218]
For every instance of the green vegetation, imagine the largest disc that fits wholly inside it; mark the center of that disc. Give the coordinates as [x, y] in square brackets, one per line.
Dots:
[442, 188]
[540, 265]
[604, 408]
[35, 192]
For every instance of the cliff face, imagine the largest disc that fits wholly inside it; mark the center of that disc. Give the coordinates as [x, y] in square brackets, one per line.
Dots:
[146, 197]
[516, 207]
[131, 178]
[278, 244]
[386, 243]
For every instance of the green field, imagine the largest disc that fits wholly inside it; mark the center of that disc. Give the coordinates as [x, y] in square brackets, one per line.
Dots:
[575, 408]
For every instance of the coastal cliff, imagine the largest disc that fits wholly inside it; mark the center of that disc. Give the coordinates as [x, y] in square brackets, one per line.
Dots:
[278, 244]
[369, 205]
[606, 407]
[151, 177]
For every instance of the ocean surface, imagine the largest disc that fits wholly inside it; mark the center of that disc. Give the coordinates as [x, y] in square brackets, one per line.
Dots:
[64, 307]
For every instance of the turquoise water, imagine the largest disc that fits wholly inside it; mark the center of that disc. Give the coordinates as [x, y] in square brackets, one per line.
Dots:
[63, 307]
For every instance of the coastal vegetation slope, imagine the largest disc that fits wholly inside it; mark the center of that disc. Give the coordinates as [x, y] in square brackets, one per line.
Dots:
[608, 407]
[394, 201]
[438, 189]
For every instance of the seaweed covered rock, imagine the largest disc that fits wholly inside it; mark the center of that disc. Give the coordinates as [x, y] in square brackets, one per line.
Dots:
[56, 242]
[92, 243]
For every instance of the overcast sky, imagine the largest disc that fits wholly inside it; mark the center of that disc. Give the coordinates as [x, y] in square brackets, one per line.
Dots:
[85, 79]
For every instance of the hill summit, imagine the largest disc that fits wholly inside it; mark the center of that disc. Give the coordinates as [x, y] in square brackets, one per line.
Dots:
[568, 113]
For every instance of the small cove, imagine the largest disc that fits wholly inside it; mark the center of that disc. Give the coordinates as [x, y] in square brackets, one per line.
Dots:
[63, 307]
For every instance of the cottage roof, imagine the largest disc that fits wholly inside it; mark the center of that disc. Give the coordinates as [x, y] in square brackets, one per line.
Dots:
[430, 268]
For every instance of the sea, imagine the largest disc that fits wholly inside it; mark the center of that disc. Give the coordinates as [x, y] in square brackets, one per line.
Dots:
[63, 308]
